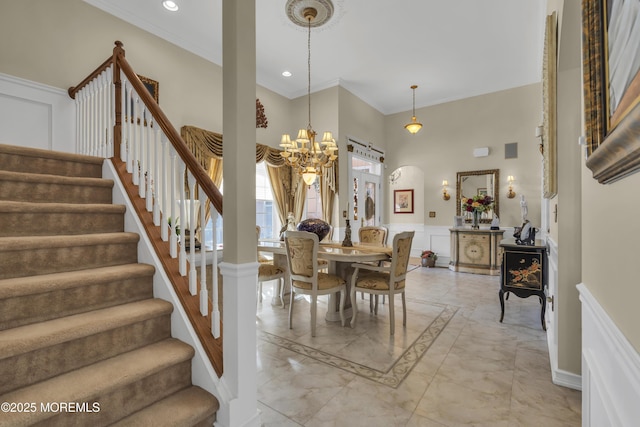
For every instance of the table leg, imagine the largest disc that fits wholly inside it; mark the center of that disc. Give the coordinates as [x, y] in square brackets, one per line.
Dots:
[344, 270]
[501, 295]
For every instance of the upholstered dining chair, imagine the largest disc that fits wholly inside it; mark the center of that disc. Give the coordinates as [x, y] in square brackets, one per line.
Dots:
[302, 258]
[268, 272]
[385, 280]
[261, 257]
[323, 264]
[373, 235]
[376, 235]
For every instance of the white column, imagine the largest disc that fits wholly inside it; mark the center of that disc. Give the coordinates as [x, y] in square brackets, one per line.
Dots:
[240, 267]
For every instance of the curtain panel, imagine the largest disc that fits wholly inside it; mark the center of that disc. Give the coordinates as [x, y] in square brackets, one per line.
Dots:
[289, 190]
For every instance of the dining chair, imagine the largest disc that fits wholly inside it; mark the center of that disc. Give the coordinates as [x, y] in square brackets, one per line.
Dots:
[268, 272]
[373, 235]
[323, 264]
[376, 235]
[261, 257]
[305, 279]
[385, 280]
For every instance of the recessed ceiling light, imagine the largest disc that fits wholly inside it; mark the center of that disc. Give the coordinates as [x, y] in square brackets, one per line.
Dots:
[170, 5]
[286, 73]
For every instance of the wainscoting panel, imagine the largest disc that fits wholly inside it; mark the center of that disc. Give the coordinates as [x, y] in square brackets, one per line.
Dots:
[610, 369]
[35, 115]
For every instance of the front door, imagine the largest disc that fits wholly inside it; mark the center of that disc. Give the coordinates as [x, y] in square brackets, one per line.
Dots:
[365, 194]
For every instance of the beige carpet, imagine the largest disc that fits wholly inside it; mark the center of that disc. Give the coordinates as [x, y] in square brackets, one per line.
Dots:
[78, 319]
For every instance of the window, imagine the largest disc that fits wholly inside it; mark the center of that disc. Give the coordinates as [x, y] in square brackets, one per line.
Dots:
[266, 215]
[208, 229]
[314, 201]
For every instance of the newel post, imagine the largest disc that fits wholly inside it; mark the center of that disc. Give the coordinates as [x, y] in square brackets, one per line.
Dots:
[118, 52]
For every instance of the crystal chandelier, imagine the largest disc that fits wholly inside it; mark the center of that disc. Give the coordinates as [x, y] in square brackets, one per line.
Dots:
[304, 154]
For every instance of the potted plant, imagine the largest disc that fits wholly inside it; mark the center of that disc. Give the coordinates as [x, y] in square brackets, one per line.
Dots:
[429, 258]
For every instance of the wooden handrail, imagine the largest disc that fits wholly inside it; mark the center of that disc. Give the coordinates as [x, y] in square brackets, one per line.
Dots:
[120, 63]
[172, 134]
[191, 303]
[74, 89]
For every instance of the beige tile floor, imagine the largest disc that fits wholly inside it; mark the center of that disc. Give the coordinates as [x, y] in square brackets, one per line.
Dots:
[453, 365]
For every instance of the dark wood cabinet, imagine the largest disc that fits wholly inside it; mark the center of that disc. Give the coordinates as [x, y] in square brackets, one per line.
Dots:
[523, 273]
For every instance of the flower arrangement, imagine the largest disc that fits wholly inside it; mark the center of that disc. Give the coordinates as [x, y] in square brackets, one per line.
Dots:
[477, 203]
[429, 254]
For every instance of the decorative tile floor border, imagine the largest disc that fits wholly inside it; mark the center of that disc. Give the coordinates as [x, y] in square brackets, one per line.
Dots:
[398, 371]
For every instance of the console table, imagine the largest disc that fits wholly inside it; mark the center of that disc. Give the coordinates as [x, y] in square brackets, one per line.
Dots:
[475, 251]
[524, 273]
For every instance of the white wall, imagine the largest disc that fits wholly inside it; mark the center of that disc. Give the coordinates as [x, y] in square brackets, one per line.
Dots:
[35, 115]
[445, 146]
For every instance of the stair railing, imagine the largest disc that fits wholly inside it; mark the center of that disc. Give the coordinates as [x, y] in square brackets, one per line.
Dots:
[118, 118]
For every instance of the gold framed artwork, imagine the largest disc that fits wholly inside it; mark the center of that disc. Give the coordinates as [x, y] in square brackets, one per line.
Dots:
[152, 86]
[403, 201]
[611, 76]
[549, 76]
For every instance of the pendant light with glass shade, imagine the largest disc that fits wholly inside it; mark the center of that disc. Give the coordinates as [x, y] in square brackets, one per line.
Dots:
[415, 126]
[306, 156]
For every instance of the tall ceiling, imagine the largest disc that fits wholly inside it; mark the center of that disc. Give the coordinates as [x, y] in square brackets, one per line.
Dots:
[376, 49]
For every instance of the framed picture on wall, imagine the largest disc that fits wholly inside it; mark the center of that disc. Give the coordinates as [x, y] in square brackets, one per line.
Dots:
[611, 79]
[403, 201]
[152, 86]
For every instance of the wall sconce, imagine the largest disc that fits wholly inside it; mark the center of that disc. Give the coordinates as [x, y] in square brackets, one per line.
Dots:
[511, 194]
[445, 194]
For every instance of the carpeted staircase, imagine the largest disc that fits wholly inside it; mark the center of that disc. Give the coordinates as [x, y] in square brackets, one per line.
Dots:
[82, 339]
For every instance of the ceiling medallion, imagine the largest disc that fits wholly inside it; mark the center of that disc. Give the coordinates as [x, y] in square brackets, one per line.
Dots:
[295, 10]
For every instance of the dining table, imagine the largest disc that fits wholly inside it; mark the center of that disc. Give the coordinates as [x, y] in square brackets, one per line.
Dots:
[339, 260]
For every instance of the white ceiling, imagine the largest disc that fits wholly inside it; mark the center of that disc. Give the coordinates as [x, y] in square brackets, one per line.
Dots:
[376, 49]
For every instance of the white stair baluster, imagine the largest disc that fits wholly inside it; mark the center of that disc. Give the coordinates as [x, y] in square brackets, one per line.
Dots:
[215, 313]
[193, 279]
[173, 237]
[142, 159]
[183, 219]
[165, 192]
[204, 292]
[157, 182]
[130, 130]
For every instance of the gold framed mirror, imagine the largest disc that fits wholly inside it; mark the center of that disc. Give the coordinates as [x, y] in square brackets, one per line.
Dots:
[476, 183]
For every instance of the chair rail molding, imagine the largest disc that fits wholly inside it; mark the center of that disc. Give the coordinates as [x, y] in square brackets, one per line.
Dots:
[610, 369]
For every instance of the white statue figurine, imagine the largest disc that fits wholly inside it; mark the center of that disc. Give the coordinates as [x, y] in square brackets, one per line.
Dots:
[524, 210]
[495, 223]
[291, 222]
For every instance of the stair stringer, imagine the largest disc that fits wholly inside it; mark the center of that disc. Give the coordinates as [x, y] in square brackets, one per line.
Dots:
[202, 371]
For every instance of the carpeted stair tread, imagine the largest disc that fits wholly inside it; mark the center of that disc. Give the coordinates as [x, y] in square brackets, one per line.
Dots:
[22, 286]
[16, 207]
[25, 300]
[38, 219]
[188, 407]
[18, 243]
[27, 256]
[112, 383]
[43, 350]
[20, 186]
[55, 179]
[52, 332]
[26, 159]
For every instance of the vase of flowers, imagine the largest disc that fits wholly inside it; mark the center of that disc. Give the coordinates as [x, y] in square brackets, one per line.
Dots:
[477, 205]
[429, 258]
